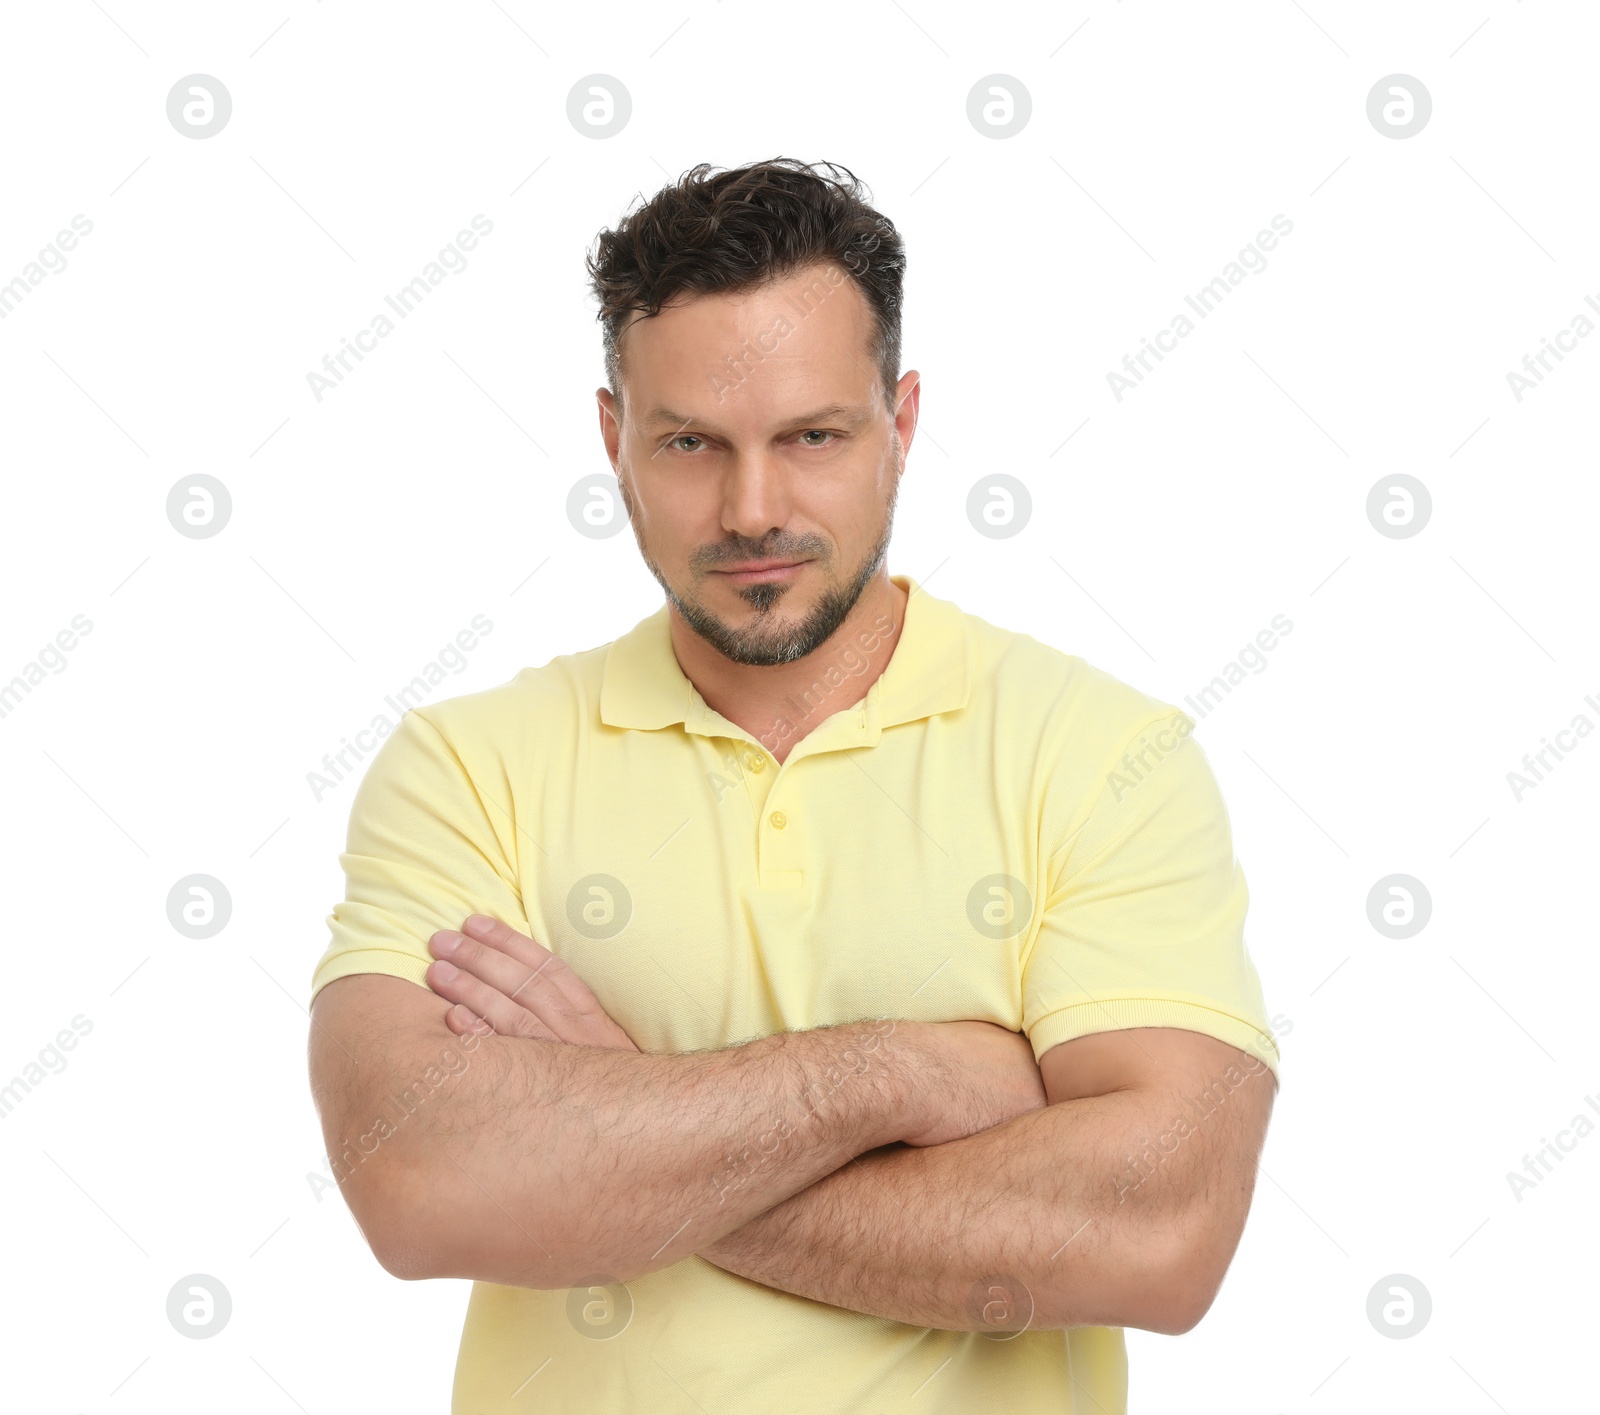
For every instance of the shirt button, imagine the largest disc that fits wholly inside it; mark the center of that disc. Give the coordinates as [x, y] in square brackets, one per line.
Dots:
[755, 763]
[778, 819]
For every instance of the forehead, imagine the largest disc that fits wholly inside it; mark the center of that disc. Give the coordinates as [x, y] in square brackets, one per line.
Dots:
[748, 357]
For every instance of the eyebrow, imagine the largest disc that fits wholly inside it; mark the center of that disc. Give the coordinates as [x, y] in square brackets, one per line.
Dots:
[855, 414]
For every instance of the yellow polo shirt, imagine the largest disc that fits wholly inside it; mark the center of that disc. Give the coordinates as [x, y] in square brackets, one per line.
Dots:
[995, 830]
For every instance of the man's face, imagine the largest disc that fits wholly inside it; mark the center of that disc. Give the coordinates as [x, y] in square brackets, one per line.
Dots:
[754, 431]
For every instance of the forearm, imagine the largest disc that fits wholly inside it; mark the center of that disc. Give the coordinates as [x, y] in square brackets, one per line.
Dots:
[543, 1163]
[1035, 1210]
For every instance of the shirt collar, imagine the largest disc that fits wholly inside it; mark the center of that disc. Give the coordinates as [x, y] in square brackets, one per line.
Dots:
[928, 672]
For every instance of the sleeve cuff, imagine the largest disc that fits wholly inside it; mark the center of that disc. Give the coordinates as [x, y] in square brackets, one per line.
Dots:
[369, 960]
[1082, 1019]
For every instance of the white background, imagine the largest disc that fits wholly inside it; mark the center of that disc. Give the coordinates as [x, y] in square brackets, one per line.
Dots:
[1168, 528]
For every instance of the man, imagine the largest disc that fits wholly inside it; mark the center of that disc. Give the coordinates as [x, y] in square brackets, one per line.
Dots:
[818, 998]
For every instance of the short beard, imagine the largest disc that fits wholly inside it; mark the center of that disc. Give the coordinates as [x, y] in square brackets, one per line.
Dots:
[765, 649]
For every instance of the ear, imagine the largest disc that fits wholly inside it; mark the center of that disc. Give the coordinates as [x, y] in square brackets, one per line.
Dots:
[907, 401]
[610, 423]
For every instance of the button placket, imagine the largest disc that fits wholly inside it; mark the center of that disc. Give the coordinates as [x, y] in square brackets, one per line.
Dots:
[775, 833]
[757, 779]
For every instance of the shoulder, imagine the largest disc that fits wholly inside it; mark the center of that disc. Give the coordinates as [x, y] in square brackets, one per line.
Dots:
[1059, 698]
[529, 713]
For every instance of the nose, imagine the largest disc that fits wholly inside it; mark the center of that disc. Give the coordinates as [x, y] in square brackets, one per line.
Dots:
[756, 495]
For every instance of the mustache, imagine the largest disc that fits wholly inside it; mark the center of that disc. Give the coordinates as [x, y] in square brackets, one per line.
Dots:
[799, 548]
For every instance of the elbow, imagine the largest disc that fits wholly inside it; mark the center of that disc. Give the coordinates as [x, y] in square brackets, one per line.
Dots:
[407, 1244]
[1171, 1315]
[414, 1247]
[438, 1233]
[408, 1221]
[422, 1223]
[1148, 1289]
[407, 1259]
[1188, 1286]
[544, 1272]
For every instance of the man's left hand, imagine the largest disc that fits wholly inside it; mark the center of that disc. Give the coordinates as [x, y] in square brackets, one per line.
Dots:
[502, 981]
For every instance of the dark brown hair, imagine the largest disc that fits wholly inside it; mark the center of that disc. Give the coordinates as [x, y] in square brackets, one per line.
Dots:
[721, 233]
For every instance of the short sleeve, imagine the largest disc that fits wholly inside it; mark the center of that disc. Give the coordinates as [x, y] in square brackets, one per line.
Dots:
[1144, 922]
[427, 846]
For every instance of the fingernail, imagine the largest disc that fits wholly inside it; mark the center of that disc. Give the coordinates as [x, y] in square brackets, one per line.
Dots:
[447, 942]
[446, 972]
[478, 924]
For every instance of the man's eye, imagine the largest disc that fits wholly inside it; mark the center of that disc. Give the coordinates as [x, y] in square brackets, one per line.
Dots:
[816, 432]
[683, 437]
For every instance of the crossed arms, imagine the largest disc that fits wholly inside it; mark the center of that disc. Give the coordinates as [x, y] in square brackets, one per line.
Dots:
[502, 1127]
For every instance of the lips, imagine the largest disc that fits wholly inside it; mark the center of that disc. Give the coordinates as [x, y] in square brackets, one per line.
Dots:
[770, 572]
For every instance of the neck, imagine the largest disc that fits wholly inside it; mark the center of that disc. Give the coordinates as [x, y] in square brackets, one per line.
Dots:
[779, 704]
